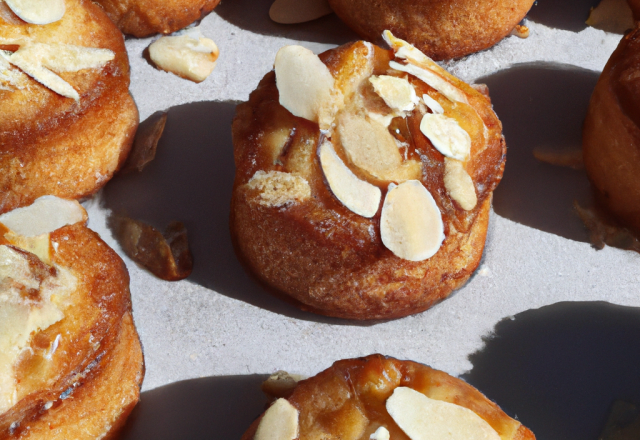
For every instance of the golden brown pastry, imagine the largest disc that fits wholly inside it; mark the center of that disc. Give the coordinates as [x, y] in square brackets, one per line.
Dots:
[67, 119]
[381, 398]
[442, 29]
[373, 202]
[611, 136]
[71, 363]
[635, 8]
[142, 18]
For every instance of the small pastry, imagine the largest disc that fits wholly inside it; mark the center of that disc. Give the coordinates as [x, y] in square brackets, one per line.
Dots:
[142, 18]
[442, 29]
[71, 363]
[67, 119]
[381, 398]
[611, 134]
[364, 179]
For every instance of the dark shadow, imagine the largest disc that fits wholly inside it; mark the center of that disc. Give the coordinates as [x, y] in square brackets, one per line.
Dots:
[253, 16]
[190, 180]
[560, 369]
[542, 105]
[198, 409]
[562, 14]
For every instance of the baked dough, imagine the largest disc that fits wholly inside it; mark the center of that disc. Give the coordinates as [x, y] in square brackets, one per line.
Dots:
[611, 136]
[299, 239]
[77, 375]
[142, 18]
[442, 29]
[53, 144]
[347, 401]
[635, 8]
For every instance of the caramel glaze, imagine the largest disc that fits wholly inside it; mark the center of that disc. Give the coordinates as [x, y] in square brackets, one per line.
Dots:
[318, 251]
[347, 401]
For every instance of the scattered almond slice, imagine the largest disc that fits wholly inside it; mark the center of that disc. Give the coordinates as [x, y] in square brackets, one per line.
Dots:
[39, 245]
[166, 255]
[145, 143]
[520, 31]
[447, 136]
[46, 214]
[381, 433]
[371, 147]
[306, 86]
[411, 224]
[459, 184]
[277, 189]
[398, 93]
[422, 418]
[567, 157]
[432, 104]
[357, 195]
[298, 11]
[611, 16]
[190, 55]
[279, 422]
[37, 11]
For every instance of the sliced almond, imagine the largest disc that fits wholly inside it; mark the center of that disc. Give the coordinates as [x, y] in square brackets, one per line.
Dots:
[411, 224]
[357, 195]
[281, 384]
[276, 189]
[381, 433]
[298, 11]
[306, 86]
[611, 16]
[433, 80]
[39, 245]
[45, 215]
[459, 184]
[37, 11]
[371, 147]
[422, 418]
[280, 422]
[447, 136]
[398, 93]
[190, 56]
[432, 104]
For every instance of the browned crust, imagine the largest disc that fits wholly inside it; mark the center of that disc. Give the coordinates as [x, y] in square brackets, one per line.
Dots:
[611, 136]
[443, 29]
[142, 18]
[635, 8]
[325, 400]
[332, 261]
[90, 329]
[50, 144]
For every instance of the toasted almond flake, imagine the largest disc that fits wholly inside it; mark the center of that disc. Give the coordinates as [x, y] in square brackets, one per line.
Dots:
[432, 79]
[446, 135]
[45, 215]
[611, 16]
[398, 93]
[432, 104]
[306, 86]
[422, 418]
[190, 55]
[411, 224]
[276, 189]
[39, 245]
[381, 433]
[459, 184]
[298, 11]
[357, 195]
[37, 11]
[520, 31]
[280, 422]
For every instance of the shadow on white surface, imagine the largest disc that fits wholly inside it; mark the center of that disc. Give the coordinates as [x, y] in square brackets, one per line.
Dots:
[560, 369]
[253, 16]
[542, 105]
[562, 14]
[198, 409]
[190, 180]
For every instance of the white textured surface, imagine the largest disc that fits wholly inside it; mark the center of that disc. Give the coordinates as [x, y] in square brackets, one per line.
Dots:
[189, 331]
